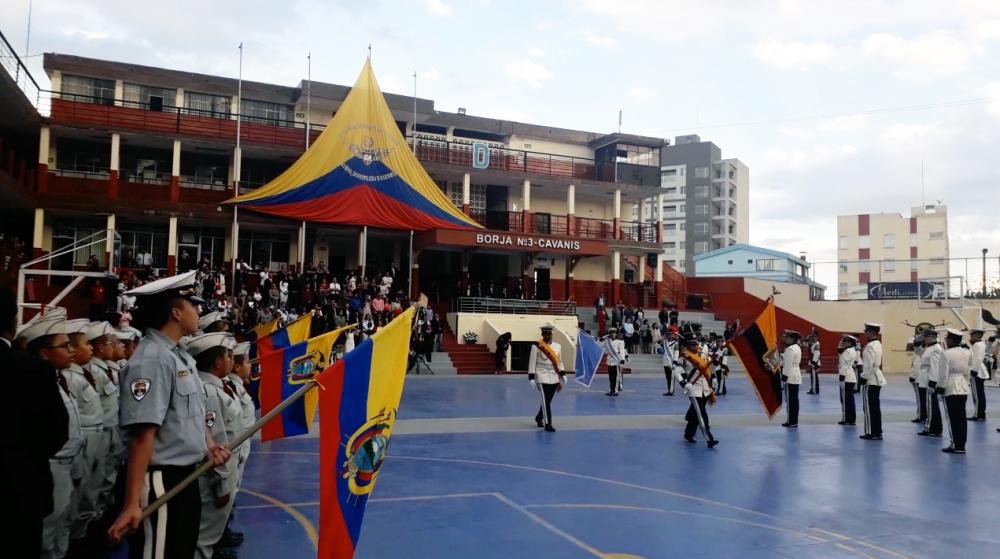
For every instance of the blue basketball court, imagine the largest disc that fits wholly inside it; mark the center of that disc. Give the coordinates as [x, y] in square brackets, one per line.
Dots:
[469, 475]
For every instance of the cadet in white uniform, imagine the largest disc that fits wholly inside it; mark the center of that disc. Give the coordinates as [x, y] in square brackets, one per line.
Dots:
[955, 389]
[848, 353]
[699, 390]
[84, 386]
[791, 375]
[163, 416]
[979, 373]
[814, 362]
[617, 355]
[545, 373]
[213, 353]
[919, 395]
[670, 359]
[872, 380]
[46, 338]
[932, 366]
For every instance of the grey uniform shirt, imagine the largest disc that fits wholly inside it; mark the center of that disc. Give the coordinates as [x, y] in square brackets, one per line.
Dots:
[74, 444]
[87, 399]
[247, 411]
[107, 387]
[221, 416]
[160, 386]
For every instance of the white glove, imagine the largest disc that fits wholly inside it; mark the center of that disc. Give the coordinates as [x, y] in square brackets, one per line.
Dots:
[534, 385]
[562, 379]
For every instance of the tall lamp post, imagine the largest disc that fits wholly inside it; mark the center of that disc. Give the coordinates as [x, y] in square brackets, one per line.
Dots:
[984, 274]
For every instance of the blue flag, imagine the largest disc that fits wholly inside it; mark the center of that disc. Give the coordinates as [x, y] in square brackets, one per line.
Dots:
[588, 358]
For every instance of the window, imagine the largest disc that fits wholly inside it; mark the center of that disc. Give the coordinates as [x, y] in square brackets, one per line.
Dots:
[864, 241]
[700, 247]
[936, 235]
[913, 265]
[701, 172]
[888, 241]
[914, 239]
[865, 266]
[670, 190]
[264, 112]
[88, 90]
[730, 262]
[134, 94]
[765, 264]
[683, 226]
[265, 250]
[842, 267]
[205, 104]
[889, 265]
[700, 228]
[671, 262]
[701, 191]
[682, 208]
[842, 289]
[701, 209]
[670, 173]
[671, 245]
[682, 245]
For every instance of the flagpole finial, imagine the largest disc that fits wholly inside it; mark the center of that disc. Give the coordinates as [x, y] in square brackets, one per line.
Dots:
[369, 52]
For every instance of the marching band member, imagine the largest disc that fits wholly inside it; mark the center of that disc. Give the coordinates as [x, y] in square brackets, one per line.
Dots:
[614, 347]
[814, 360]
[873, 380]
[696, 381]
[848, 352]
[791, 375]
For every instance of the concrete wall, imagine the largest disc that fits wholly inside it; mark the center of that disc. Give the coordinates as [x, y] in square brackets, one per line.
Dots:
[523, 328]
[548, 146]
[850, 316]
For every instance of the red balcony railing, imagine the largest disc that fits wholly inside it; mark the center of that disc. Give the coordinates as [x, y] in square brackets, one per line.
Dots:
[594, 228]
[504, 159]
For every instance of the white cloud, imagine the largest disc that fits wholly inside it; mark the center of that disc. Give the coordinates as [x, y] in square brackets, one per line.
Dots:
[528, 72]
[924, 57]
[639, 92]
[437, 7]
[851, 123]
[793, 55]
[431, 74]
[904, 135]
[992, 92]
[535, 51]
[596, 39]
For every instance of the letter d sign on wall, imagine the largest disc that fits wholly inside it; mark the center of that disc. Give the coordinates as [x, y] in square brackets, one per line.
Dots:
[480, 155]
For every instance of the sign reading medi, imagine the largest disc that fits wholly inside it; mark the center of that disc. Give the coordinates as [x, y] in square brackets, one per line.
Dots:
[525, 241]
[900, 290]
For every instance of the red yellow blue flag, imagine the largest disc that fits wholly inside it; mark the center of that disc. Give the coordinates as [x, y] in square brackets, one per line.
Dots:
[358, 403]
[283, 372]
[359, 171]
[293, 333]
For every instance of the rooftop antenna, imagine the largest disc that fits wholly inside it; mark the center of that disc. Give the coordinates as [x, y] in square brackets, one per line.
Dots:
[619, 121]
[923, 191]
[414, 113]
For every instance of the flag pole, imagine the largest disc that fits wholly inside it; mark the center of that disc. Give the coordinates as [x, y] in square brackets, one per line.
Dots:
[308, 94]
[238, 159]
[413, 133]
[207, 465]
[409, 280]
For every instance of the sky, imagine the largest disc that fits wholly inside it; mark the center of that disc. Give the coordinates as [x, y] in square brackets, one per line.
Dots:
[855, 106]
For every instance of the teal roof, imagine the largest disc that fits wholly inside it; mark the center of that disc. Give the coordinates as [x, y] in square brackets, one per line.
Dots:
[759, 250]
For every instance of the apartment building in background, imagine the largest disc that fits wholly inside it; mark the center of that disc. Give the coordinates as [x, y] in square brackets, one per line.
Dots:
[890, 248]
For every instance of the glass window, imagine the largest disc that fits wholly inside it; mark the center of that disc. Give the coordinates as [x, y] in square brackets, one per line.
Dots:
[701, 172]
[936, 235]
[701, 228]
[206, 104]
[865, 266]
[670, 190]
[264, 251]
[864, 241]
[701, 209]
[765, 264]
[700, 247]
[135, 94]
[682, 245]
[914, 239]
[842, 267]
[889, 241]
[889, 265]
[88, 90]
[264, 112]
[842, 242]
[701, 191]
[938, 261]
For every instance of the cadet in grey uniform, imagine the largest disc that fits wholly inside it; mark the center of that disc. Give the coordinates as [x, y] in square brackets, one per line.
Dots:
[46, 338]
[163, 417]
[102, 341]
[237, 382]
[84, 386]
[213, 353]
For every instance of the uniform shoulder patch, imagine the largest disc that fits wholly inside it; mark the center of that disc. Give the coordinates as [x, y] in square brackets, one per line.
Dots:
[139, 388]
[183, 373]
[210, 418]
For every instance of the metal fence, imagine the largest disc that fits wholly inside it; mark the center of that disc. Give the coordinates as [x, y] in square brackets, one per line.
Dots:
[843, 279]
[515, 306]
[19, 72]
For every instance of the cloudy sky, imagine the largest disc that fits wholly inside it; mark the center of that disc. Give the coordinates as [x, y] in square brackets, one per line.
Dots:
[833, 105]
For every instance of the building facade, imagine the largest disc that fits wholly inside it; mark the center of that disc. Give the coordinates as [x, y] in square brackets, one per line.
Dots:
[891, 248]
[747, 261]
[706, 200]
[150, 154]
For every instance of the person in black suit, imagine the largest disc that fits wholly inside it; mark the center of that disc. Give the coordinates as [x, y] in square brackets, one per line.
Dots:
[35, 425]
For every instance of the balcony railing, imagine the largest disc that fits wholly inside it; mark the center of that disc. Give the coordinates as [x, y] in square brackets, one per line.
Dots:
[638, 232]
[11, 62]
[515, 306]
[435, 150]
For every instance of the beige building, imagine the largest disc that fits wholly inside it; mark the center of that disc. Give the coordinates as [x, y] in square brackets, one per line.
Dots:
[888, 247]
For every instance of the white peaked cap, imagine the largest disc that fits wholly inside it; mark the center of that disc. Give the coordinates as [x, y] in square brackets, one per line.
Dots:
[54, 322]
[203, 342]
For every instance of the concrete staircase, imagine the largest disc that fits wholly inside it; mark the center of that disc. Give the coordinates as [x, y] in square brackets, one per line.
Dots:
[465, 358]
[708, 322]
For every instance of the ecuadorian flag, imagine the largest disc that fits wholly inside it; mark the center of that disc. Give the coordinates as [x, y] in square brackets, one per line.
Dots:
[285, 371]
[359, 171]
[295, 332]
[358, 403]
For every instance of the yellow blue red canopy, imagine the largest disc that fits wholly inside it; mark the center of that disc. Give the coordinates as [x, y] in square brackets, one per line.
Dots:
[359, 171]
